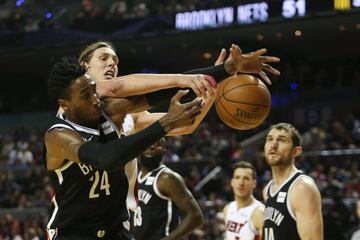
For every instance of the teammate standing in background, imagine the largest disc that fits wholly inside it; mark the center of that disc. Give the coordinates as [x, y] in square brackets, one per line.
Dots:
[243, 217]
[292, 200]
[355, 233]
[166, 210]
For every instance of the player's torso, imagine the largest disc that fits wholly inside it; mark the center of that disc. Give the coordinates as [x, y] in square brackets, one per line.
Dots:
[156, 215]
[85, 197]
[279, 219]
[238, 223]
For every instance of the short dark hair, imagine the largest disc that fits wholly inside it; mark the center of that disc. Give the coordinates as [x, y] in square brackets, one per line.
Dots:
[62, 75]
[88, 51]
[243, 164]
[294, 133]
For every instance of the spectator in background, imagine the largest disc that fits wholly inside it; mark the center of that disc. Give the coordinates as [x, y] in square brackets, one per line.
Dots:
[118, 11]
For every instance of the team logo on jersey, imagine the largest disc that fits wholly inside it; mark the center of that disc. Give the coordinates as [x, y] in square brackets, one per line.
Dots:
[88, 139]
[107, 128]
[281, 197]
[149, 180]
[101, 233]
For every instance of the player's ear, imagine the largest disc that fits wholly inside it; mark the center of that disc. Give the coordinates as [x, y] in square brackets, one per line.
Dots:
[85, 64]
[63, 104]
[254, 183]
[297, 151]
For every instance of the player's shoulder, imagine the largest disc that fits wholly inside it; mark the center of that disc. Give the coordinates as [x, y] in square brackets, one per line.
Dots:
[169, 178]
[304, 187]
[304, 183]
[257, 204]
[54, 135]
[226, 208]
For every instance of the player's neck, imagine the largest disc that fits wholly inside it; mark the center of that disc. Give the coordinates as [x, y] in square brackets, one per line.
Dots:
[242, 202]
[281, 173]
[146, 170]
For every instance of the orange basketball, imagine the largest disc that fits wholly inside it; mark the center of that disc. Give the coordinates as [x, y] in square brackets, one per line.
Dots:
[243, 101]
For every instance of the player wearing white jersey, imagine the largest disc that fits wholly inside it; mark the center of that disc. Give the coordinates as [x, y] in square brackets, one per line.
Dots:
[244, 216]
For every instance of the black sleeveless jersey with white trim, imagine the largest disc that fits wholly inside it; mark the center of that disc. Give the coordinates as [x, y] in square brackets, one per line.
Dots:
[156, 215]
[279, 219]
[87, 199]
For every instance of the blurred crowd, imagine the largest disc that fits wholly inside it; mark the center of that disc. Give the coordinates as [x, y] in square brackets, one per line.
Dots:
[31, 15]
[24, 183]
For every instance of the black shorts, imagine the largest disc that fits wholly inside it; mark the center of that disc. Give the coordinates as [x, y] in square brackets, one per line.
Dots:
[123, 235]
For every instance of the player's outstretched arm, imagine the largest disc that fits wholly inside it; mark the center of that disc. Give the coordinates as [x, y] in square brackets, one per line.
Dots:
[65, 143]
[306, 202]
[171, 185]
[138, 84]
[237, 62]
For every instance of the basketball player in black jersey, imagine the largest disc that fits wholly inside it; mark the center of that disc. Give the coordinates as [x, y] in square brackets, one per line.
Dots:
[104, 68]
[293, 202]
[163, 198]
[85, 156]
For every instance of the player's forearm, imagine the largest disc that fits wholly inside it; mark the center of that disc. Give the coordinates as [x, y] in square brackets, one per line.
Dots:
[188, 224]
[115, 154]
[137, 84]
[161, 98]
[218, 72]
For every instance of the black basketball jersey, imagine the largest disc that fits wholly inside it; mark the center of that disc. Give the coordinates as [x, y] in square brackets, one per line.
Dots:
[156, 215]
[279, 219]
[87, 200]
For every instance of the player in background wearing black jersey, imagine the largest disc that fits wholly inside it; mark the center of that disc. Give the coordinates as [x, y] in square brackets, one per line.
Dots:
[166, 209]
[86, 159]
[354, 234]
[292, 200]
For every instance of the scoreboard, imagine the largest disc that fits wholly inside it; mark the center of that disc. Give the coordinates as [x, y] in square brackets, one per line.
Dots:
[260, 11]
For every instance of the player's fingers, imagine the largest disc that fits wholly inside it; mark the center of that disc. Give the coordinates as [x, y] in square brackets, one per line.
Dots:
[196, 103]
[260, 52]
[195, 114]
[265, 77]
[270, 69]
[176, 98]
[269, 59]
[209, 89]
[237, 50]
[221, 57]
[195, 87]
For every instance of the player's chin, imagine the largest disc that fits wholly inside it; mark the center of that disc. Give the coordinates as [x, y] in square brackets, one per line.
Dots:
[96, 114]
[107, 77]
[272, 160]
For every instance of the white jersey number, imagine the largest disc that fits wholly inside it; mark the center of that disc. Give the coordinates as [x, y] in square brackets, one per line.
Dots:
[269, 234]
[104, 184]
[137, 217]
